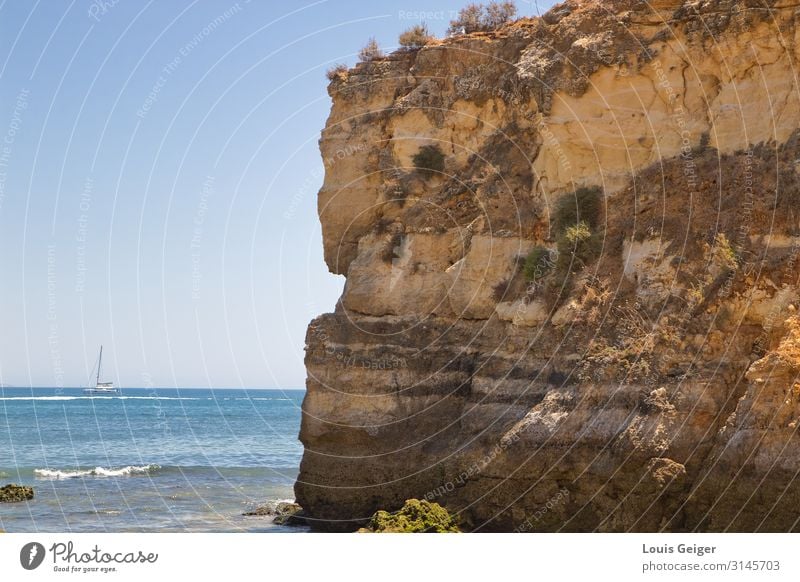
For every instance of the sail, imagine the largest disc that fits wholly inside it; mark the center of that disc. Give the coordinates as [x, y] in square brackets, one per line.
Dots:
[101, 388]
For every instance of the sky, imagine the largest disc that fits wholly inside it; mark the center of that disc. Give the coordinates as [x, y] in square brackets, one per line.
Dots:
[159, 167]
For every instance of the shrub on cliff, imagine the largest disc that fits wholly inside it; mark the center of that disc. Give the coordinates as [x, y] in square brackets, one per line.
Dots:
[577, 245]
[370, 51]
[415, 37]
[480, 18]
[583, 205]
[429, 160]
[537, 264]
[336, 71]
[416, 516]
[499, 13]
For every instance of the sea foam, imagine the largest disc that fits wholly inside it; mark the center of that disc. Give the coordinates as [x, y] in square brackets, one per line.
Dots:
[96, 472]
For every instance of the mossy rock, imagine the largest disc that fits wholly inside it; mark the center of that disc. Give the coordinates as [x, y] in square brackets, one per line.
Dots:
[416, 516]
[13, 493]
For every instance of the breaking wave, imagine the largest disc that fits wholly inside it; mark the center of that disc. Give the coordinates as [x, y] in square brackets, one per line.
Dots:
[96, 472]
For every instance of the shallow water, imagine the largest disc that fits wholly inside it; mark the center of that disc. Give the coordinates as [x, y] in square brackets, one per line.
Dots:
[148, 460]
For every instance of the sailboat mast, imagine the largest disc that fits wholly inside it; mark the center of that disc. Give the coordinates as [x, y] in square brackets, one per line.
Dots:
[99, 363]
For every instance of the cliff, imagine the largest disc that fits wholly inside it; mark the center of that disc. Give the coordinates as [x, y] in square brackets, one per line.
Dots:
[578, 317]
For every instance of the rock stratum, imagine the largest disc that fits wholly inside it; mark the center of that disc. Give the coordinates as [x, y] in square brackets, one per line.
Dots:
[644, 377]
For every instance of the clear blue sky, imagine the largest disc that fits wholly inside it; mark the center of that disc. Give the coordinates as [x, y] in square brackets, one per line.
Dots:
[158, 178]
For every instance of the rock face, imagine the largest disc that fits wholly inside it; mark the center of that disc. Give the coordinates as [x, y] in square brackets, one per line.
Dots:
[13, 493]
[641, 378]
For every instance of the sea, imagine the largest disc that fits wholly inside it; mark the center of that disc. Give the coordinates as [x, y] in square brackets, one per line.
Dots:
[148, 460]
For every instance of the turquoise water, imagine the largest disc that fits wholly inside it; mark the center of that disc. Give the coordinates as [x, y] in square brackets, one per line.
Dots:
[148, 460]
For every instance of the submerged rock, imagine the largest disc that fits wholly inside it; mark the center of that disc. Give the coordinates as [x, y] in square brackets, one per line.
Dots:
[13, 493]
[289, 514]
[284, 512]
[265, 510]
[414, 517]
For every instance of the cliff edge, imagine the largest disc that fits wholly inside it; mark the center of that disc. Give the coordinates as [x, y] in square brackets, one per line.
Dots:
[571, 257]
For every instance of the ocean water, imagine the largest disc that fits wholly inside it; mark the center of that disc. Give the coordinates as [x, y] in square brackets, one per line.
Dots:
[150, 460]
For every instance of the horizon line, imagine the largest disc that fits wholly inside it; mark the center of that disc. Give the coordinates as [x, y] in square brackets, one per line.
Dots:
[158, 387]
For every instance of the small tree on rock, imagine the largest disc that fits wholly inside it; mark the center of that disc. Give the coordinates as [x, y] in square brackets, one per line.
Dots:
[336, 71]
[468, 20]
[498, 14]
[416, 37]
[480, 18]
[371, 51]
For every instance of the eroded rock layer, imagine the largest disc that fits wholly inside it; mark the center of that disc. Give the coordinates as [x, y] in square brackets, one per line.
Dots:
[634, 369]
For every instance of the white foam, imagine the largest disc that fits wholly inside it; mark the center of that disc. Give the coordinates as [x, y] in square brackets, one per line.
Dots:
[96, 472]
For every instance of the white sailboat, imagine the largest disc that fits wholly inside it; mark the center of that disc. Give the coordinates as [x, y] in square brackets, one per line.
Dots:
[101, 388]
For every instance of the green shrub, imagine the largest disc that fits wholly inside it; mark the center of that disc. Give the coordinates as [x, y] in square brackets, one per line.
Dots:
[537, 264]
[577, 244]
[429, 160]
[336, 71]
[370, 51]
[574, 221]
[480, 18]
[415, 37]
[583, 205]
[414, 517]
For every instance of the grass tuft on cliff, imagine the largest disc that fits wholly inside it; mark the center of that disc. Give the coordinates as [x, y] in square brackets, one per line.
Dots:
[416, 516]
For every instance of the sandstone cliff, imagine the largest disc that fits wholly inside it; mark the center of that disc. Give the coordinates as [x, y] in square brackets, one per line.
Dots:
[633, 367]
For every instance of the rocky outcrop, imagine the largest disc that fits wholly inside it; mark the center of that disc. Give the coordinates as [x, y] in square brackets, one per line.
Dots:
[14, 493]
[282, 513]
[642, 376]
